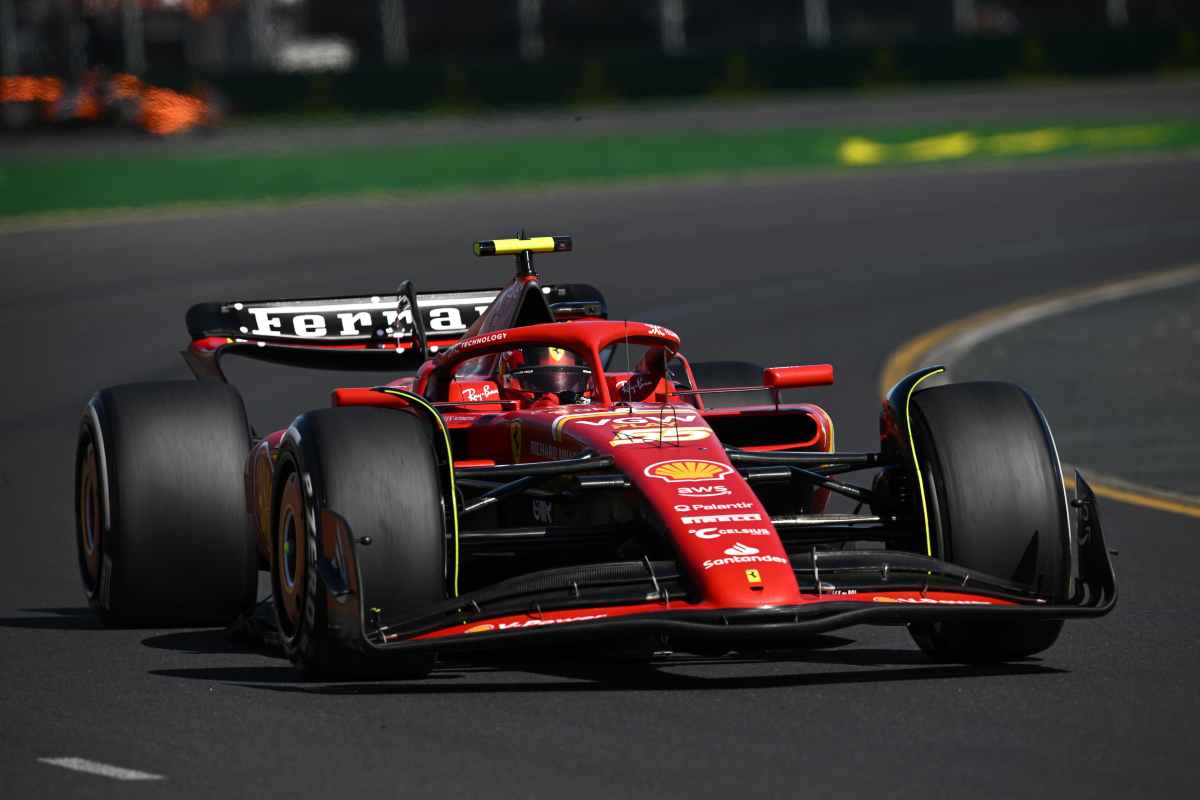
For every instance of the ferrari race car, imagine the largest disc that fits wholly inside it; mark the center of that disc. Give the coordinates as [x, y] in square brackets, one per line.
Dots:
[545, 475]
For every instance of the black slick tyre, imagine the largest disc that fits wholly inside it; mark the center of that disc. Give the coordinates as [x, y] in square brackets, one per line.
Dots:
[722, 374]
[377, 470]
[996, 503]
[162, 533]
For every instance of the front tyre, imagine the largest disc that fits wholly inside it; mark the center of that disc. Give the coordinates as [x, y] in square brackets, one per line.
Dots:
[377, 470]
[162, 534]
[995, 501]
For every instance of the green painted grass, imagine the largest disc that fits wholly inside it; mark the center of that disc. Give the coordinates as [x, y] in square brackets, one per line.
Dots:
[47, 186]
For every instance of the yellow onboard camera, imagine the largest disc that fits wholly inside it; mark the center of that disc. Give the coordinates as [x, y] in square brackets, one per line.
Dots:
[512, 247]
[524, 248]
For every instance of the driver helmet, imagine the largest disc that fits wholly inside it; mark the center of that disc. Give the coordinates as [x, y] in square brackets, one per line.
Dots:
[537, 376]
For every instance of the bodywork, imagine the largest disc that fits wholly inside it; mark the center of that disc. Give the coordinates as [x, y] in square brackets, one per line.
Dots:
[642, 514]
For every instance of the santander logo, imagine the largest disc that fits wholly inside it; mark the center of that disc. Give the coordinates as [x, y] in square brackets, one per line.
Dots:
[740, 549]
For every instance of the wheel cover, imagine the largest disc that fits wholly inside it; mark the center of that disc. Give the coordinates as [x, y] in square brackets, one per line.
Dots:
[90, 526]
[291, 552]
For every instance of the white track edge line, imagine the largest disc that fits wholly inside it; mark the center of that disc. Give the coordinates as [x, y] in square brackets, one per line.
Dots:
[957, 347]
[100, 768]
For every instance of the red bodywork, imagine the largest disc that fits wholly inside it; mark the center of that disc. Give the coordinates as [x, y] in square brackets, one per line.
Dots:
[668, 447]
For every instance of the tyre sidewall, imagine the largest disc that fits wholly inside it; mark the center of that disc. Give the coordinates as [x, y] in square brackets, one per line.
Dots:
[176, 546]
[973, 520]
[965, 514]
[333, 452]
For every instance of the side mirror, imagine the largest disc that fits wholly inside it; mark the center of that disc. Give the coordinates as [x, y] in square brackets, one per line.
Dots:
[777, 378]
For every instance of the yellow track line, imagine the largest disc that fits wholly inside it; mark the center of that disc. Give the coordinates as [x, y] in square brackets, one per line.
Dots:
[1140, 498]
[910, 355]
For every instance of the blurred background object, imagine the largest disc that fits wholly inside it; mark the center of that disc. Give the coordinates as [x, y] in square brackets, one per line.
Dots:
[314, 56]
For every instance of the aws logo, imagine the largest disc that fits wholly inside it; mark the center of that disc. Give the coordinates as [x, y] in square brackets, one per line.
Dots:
[692, 492]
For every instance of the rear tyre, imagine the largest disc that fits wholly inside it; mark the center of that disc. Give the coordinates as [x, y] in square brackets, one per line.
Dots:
[377, 469]
[162, 533]
[721, 374]
[996, 503]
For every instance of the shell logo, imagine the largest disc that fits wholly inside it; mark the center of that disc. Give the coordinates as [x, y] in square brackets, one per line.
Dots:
[484, 628]
[688, 471]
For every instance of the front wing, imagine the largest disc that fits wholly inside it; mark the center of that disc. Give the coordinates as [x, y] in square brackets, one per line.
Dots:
[840, 589]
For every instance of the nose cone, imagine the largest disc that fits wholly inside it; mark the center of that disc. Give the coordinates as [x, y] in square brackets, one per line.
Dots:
[723, 535]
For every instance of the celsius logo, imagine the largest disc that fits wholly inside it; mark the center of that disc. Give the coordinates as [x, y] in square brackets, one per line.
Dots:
[740, 549]
[703, 491]
[689, 471]
[716, 533]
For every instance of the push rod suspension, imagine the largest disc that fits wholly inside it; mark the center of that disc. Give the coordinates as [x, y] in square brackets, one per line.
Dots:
[807, 458]
[566, 466]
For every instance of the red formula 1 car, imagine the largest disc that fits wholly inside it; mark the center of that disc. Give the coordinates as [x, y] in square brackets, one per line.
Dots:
[549, 475]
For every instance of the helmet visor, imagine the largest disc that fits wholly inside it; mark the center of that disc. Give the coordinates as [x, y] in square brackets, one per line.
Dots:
[568, 382]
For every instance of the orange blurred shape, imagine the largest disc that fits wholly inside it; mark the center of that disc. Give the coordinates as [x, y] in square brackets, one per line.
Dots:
[87, 101]
[88, 107]
[30, 89]
[165, 112]
[199, 9]
[124, 86]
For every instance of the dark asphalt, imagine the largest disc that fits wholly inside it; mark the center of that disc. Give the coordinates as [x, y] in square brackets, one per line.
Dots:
[781, 270]
[1134, 378]
[1131, 100]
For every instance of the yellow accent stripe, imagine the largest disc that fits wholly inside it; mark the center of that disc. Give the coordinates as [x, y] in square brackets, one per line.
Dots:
[415, 398]
[508, 247]
[916, 464]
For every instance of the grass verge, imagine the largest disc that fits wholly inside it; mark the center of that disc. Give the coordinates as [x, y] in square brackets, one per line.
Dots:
[47, 186]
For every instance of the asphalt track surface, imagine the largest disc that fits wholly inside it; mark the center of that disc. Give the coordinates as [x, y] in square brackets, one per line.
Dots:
[783, 270]
[1150, 342]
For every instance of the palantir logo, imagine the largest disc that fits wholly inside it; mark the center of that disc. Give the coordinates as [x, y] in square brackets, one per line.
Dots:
[740, 549]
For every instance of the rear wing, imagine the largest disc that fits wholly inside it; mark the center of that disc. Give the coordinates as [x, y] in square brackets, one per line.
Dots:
[364, 320]
[359, 332]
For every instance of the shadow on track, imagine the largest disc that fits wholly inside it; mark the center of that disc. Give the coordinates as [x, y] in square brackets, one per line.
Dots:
[60, 619]
[207, 642]
[581, 676]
